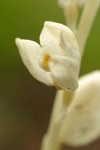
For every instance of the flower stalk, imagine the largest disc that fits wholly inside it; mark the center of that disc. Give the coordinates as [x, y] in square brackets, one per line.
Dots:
[52, 139]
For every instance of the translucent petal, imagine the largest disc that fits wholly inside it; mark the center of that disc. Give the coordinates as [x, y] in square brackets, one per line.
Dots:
[64, 72]
[51, 33]
[29, 51]
[82, 122]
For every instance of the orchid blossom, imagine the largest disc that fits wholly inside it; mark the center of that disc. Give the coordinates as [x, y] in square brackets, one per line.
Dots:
[56, 60]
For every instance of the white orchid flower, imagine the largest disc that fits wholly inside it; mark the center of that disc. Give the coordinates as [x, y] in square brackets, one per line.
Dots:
[82, 122]
[56, 60]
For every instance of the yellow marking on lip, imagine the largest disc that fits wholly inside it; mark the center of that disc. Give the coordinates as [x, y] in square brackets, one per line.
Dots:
[45, 60]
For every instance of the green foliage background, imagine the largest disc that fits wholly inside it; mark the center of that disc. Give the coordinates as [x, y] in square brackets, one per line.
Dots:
[23, 101]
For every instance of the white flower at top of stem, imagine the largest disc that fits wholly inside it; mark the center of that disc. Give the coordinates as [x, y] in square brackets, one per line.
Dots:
[56, 60]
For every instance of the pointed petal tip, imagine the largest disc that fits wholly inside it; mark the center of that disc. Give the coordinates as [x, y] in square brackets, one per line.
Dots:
[19, 43]
[47, 22]
[17, 40]
[53, 24]
[24, 43]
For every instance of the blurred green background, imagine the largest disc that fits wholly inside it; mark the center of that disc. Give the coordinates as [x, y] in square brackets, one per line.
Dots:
[25, 104]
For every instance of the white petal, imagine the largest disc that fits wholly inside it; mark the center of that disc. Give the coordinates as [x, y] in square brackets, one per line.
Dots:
[70, 45]
[63, 3]
[51, 33]
[82, 122]
[64, 72]
[29, 51]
